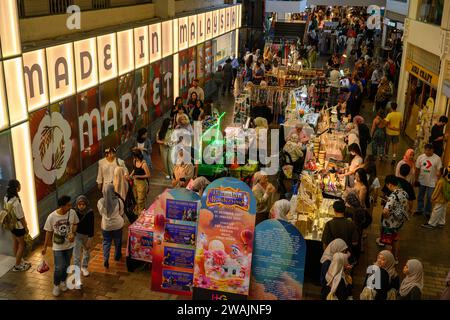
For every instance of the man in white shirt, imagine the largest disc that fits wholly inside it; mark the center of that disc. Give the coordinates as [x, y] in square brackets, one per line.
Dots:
[199, 91]
[428, 167]
[334, 85]
[106, 168]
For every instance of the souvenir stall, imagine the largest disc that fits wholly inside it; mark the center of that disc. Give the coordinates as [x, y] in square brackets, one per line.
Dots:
[320, 185]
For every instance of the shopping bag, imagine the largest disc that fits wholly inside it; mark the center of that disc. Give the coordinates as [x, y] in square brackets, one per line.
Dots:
[43, 266]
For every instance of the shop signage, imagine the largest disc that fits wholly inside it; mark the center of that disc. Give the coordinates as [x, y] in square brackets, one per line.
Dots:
[224, 250]
[175, 231]
[75, 67]
[278, 265]
[422, 73]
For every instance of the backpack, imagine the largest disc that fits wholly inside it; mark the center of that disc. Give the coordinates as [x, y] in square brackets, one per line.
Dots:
[8, 217]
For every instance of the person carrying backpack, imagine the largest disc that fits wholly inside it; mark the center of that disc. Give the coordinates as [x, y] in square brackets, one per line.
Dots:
[13, 219]
[439, 199]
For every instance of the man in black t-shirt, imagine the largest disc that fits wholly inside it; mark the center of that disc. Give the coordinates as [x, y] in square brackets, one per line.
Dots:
[437, 136]
[340, 227]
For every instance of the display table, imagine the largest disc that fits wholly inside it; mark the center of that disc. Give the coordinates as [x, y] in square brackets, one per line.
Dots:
[140, 238]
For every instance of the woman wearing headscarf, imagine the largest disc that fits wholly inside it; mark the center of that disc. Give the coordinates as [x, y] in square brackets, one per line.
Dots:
[389, 280]
[120, 183]
[411, 287]
[280, 210]
[408, 159]
[111, 208]
[337, 281]
[364, 134]
[335, 246]
[264, 193]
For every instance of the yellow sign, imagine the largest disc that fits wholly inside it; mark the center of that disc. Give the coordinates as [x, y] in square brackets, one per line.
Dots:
[422, 73]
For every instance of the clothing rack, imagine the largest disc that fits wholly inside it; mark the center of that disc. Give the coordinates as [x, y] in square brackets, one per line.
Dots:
[276, 97]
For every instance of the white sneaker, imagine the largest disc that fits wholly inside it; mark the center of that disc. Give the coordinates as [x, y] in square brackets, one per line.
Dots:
[63, 286]
[56, 291]
[85, 272]
[78, 287]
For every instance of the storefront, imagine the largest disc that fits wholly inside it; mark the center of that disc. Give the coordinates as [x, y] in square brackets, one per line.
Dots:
[420, 102]
[69, 102]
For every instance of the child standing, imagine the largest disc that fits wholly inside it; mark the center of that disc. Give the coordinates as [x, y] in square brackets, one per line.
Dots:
[85, 234]
[439, 199]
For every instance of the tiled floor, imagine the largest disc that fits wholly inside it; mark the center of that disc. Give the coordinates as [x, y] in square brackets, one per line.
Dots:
[432, 247]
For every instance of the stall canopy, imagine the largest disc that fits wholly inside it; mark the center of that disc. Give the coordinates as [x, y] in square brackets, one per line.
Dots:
[355, 3]
[286, 6]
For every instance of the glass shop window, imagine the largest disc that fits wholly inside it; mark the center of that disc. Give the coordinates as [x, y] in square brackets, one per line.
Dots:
[430, 11]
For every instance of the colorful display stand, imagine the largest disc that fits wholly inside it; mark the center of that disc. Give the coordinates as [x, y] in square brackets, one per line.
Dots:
[278, 262]
[225, 241]
[140, 237]
[175, 230]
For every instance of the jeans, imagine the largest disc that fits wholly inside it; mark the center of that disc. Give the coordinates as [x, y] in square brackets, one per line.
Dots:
[81, 245]
[438, 214]
[62, 262]
[108, 237]
[424, 191]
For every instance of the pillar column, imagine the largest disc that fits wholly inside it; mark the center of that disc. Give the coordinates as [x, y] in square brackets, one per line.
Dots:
[164, 8]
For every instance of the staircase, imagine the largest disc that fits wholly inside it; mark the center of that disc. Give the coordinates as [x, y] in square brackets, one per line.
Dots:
[290, 30]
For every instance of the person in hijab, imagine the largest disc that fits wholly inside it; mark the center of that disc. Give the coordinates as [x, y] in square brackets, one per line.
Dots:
[411, 287]
[280, 210]
[408, 159]
[364, 134]
[85, 234]
[335, 246]
[120, 182]
[337, 281]
[111, 209]
[389, 279]
[264, 193]
[446, 294]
